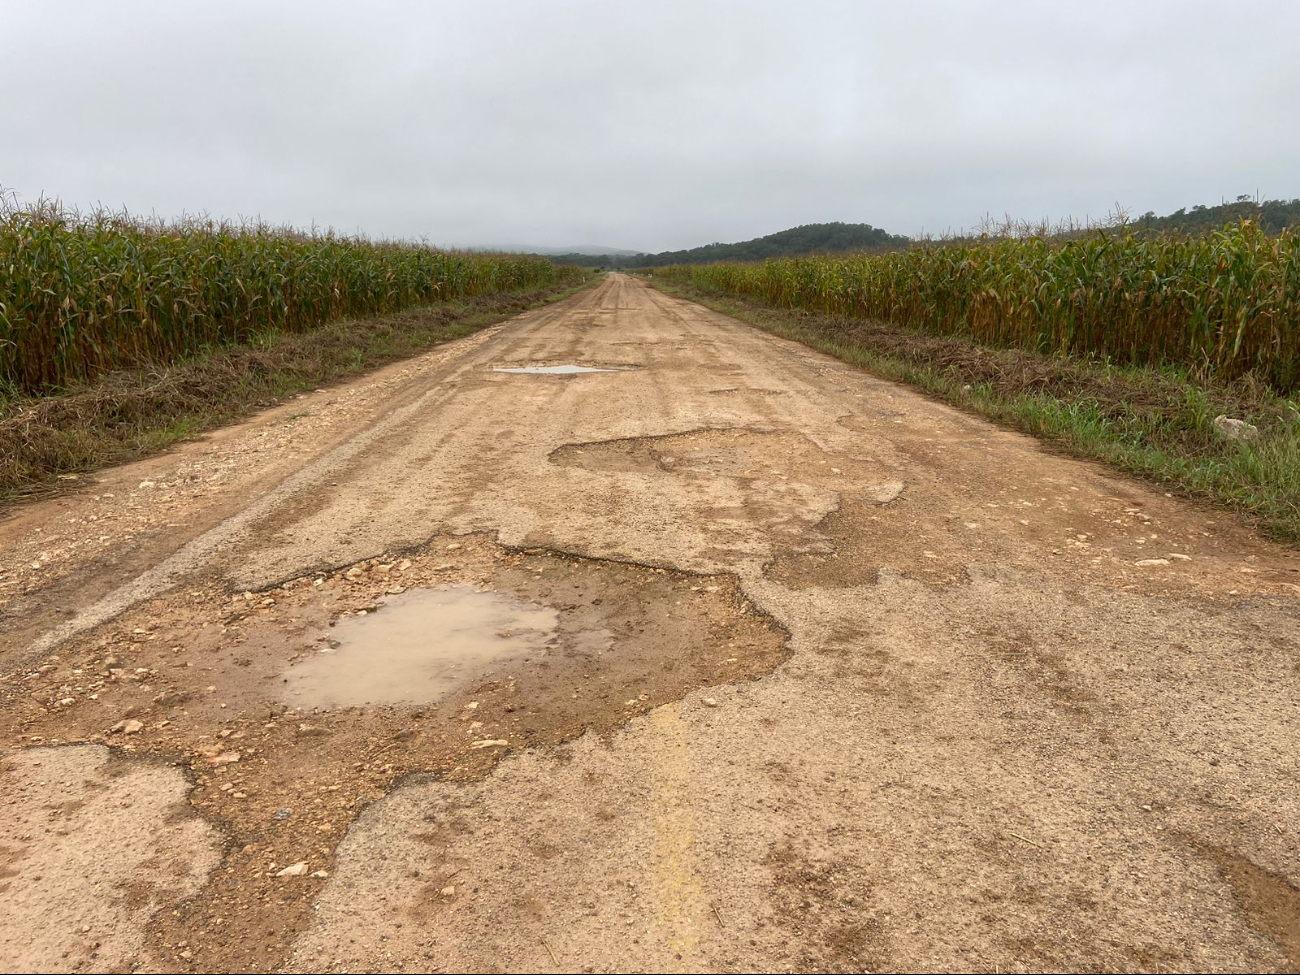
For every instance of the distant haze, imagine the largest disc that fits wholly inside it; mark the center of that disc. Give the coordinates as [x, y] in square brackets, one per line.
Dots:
[647, 125]
[552, 249]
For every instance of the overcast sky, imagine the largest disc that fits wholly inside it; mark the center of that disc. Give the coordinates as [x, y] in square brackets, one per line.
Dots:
[647, 125]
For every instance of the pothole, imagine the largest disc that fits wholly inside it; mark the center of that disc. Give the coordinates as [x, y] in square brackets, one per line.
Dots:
[734, 452]
[564, 369]
[746, 391]
[420, 646]
[551, 648]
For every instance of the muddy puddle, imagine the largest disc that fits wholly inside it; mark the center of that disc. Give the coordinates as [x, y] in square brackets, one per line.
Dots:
[418, 647]
[202, 680]
[567, 369]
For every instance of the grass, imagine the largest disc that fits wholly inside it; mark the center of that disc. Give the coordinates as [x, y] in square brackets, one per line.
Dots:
[127, 414]
[1153, 422]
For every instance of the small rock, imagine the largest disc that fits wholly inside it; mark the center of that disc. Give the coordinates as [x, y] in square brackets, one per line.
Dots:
[224, 758]
[490, 743]
[294, 870]
[1151, 562]
[129, 727]
[1235, 429]
[886, 492]
[448, 891]
[320, 874]
[710, 702]
[1180, 556]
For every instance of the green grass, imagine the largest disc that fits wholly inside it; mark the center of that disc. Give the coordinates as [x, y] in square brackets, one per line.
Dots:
[1156, 423]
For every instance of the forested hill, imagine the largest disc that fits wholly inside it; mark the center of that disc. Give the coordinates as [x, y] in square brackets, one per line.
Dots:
[813, 238]
[1273, 216]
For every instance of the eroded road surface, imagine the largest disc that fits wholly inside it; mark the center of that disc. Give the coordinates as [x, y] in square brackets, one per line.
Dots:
[714, 654]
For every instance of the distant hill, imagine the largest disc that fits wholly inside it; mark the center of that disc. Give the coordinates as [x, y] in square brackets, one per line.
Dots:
[813, 238]
[835, 238]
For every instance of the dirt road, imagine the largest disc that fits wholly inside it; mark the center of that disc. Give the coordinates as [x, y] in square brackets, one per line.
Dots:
[767, 665]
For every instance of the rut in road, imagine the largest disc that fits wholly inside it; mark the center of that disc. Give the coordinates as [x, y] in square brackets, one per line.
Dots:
[839, 678]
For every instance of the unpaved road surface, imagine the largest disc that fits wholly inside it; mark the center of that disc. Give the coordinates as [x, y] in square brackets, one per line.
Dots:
[806, 672]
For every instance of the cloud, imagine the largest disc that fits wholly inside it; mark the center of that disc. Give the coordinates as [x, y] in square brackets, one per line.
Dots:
[650, 124]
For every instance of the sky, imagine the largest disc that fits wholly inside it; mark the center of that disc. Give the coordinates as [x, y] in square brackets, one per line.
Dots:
[647, 125]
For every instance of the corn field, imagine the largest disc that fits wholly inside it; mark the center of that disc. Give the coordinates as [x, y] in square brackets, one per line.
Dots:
[1225, 305]
[80, 295]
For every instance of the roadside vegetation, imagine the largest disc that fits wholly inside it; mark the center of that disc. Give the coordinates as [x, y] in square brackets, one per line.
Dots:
[120, 336]
[1116, 346]
[1224, 305]
[81, 295]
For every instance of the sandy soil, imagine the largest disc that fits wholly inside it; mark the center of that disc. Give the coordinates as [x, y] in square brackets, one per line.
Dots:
[841, 680]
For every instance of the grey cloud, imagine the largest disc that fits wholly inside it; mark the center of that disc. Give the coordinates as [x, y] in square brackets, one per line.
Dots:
[652, 125]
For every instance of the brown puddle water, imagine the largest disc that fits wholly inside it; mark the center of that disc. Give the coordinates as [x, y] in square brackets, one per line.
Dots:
[564, 370]
[417, 647]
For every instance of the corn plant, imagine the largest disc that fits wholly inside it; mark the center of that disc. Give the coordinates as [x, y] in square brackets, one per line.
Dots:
[82, 294]
[1224, 305]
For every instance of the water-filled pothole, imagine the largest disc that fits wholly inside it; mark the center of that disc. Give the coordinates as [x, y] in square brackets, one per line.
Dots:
[567, 369]
[421, 645]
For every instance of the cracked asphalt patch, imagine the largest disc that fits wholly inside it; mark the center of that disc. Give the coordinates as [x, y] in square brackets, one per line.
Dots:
[93, 849]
